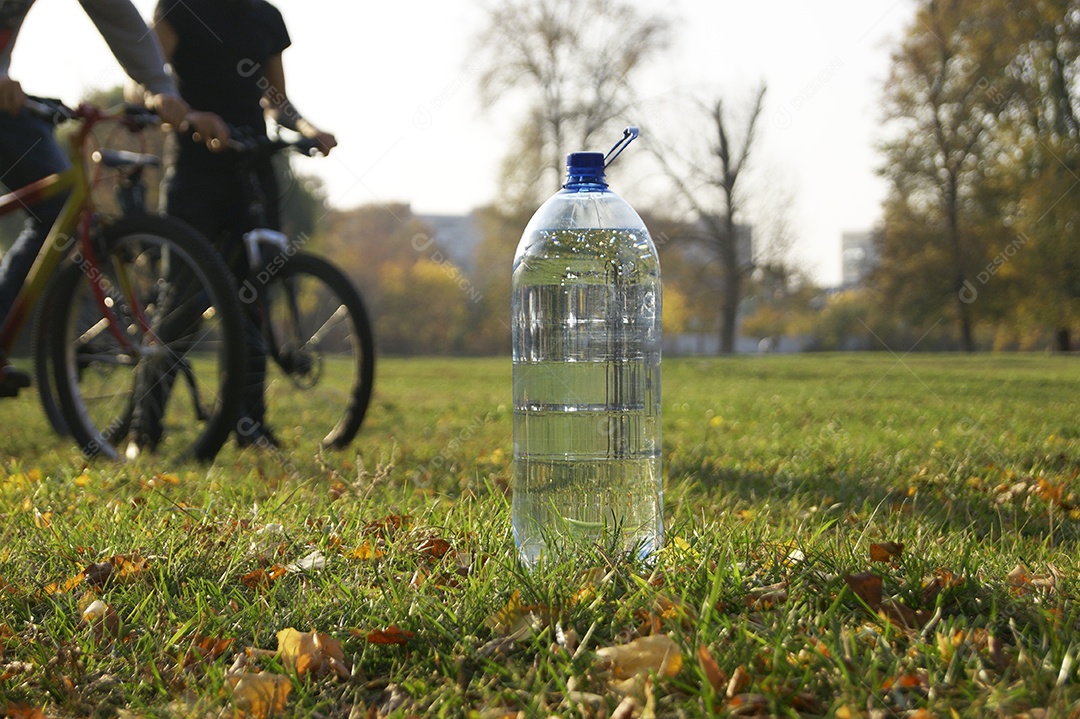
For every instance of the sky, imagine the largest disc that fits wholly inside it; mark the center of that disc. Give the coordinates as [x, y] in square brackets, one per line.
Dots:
[396, 83]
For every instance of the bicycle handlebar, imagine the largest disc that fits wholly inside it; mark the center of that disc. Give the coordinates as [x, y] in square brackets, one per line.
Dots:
[134, 117]
[245, 142]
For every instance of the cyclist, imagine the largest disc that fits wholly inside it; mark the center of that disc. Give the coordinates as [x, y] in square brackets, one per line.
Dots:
[28, 151]
[226, 58]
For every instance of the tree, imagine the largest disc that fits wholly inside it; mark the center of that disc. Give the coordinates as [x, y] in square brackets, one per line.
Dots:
[574, 60]
[1046, 132]
[945, 107]
[714, 194]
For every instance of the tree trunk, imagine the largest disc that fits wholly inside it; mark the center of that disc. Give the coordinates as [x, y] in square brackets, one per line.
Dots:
[729, 313]
[1063, 340]
[729, 253]
[952, 214]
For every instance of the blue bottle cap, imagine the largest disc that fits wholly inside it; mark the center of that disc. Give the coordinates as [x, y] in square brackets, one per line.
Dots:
[585, 167]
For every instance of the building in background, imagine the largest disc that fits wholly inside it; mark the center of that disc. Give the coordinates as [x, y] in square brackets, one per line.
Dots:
[458, 236]
[859, 256]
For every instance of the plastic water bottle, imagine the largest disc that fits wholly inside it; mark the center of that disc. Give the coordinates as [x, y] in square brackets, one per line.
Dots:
[586, 337]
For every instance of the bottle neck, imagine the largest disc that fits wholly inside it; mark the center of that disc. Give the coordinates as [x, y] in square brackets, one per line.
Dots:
[581, 180]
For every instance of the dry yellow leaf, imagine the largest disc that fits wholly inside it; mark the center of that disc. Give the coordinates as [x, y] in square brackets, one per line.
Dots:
[259, 695]
[311, 652]
[655, 653]
[367, 552]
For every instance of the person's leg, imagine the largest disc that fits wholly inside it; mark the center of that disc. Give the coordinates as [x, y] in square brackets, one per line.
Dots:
[217, 205]
[189, 195]
[258, 350]
[28, 153]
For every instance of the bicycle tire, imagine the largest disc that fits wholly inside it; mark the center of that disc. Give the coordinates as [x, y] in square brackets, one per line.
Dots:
[172, 309]
[43, 372]
[322, 378]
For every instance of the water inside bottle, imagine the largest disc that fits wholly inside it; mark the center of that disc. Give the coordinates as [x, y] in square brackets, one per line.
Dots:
[587, 465]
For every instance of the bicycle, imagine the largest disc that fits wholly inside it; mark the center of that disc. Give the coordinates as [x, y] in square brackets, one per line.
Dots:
[107, 291]
[309, 315]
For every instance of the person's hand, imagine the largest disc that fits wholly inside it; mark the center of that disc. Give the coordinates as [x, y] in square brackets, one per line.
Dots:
[171, 109]
[208, 128]
[12, 97]
[327, 142]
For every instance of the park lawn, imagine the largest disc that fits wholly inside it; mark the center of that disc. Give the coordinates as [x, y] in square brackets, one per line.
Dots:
[847, 535]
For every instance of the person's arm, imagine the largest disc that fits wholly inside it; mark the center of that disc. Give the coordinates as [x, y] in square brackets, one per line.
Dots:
[276, 101]
[138, 52]
[11, 95]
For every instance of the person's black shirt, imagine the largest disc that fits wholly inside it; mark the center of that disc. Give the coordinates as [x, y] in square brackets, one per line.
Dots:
[220, 57]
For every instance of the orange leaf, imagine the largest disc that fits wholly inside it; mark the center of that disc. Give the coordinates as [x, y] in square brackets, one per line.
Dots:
[713, 673]
[366, 552]
[263, 577]
[391, 635]
[885, 551]
[22, 711]
[58, 588]
[1050, 493]
[866, 586]
[206, 648]
[434, 547]
[748, 704]
[126, 566]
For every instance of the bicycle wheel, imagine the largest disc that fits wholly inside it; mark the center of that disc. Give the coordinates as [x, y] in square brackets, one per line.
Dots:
[321, 353]
[146, 343]
[43, 370]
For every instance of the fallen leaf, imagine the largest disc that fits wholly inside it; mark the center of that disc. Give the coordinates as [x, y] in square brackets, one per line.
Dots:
[517, 619]
[656, 653]
[942, 579]
[1022, 581]
[866, 586]
[740, 682]
[206, 649]
[713, 673]
[312, 562]
[901, 615]
[388, 526]
[126, 566]
[263, 577]
[366, 552]
[766, 597]
[434, 547]
[261, 695]
[311, 653]
[748, 705]
[1052, 493]
[391, 635]
[886, 551]
[103, 620]
[121, 567]
[22, 711]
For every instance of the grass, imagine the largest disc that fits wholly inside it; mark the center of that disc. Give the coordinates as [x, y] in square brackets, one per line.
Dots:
[791, 484]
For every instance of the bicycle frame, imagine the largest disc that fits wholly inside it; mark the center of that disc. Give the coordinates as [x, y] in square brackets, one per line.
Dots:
[73, 223]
